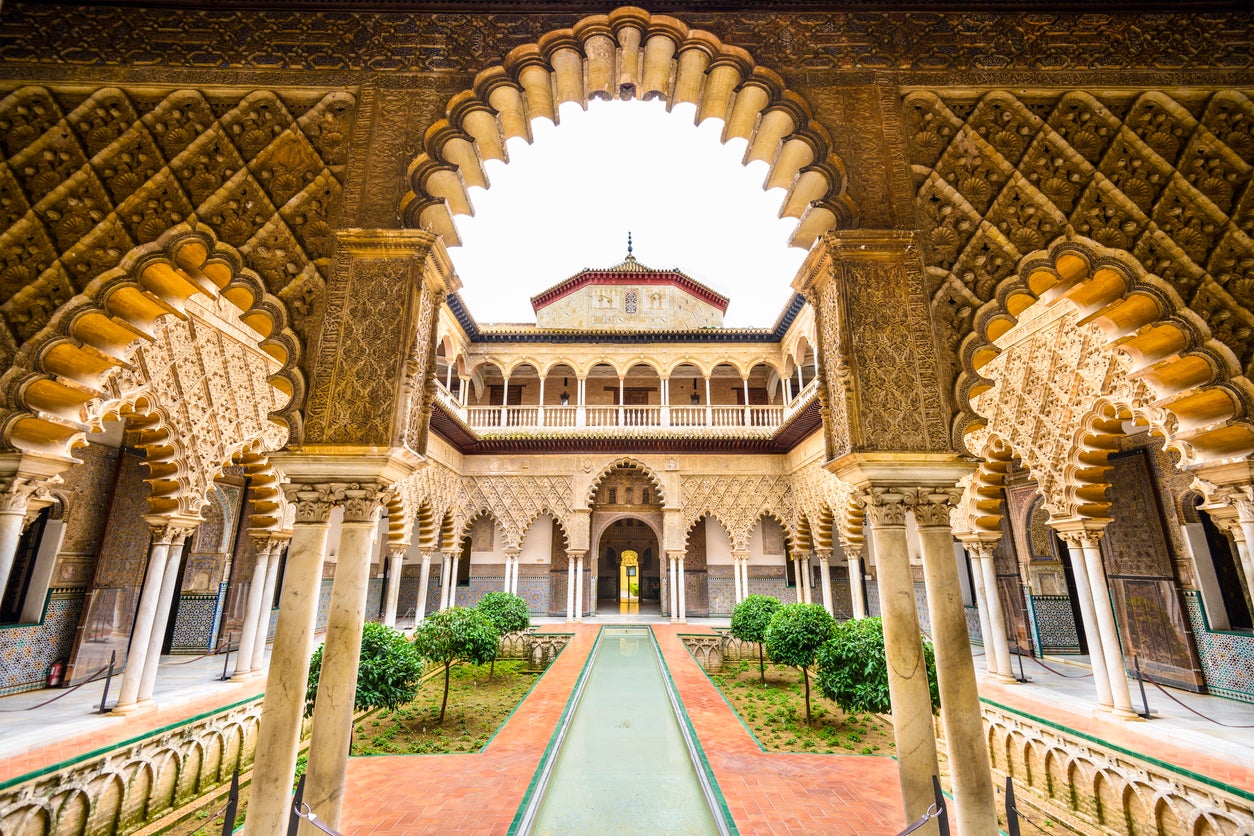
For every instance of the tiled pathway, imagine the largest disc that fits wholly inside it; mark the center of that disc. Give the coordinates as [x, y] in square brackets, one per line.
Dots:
[479, 794]
[464, 794]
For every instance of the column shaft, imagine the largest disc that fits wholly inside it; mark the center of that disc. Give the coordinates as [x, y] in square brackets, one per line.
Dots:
[579, 589]
[857, 599]
[263, 619]
[683, 591]
[252, 609]
[825, 580]
[424, 581]
[907, 674]
[570, 587]
[996, 618]
[165, 606]
[955, 670]
[145, 618]
[284, 706]
[672, 596]
[1116, 669]
[1088, 617]
[396, 564]
[991, 664]
[10, 536]
[332, 726]
[445, 566]
[452, 580]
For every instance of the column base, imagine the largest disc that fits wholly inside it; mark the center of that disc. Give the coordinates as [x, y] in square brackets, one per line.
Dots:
[132, 708]
[1002, 679]
[1128, 715]
[244, 676]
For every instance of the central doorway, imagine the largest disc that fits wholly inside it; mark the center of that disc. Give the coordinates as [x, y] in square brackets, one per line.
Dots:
[629, 569]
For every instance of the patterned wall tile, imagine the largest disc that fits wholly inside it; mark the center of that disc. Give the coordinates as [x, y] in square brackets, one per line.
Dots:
[194, 623]
[973, 625]
[1053, 624]
[27, 650]
[1227, 658]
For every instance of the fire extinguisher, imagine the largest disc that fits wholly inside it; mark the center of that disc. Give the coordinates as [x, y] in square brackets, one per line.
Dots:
[56, 673]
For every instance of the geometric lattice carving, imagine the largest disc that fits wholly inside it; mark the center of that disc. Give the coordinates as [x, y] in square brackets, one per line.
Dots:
[737, 502]
[83, 182]
[1165, 179]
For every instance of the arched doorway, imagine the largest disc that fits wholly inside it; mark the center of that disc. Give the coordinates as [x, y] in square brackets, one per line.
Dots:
[627, 518]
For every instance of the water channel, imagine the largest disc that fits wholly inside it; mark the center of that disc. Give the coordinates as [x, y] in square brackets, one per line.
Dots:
[623, 761]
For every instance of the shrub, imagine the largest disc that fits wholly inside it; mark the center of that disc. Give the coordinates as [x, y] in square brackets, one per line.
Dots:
[853, 668]
[457, 634]
[749, 621]
[508, 614]
[795, 634]
[388, 674]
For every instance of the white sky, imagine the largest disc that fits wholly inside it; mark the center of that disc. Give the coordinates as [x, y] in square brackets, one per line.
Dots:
[567, 201]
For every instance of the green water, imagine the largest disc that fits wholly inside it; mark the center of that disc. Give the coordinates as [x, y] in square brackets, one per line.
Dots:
[623, 766]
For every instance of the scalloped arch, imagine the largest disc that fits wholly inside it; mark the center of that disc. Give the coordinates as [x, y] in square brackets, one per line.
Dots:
[1202, 401]
[790, 536]
[627, 53]
[59, 372]
[620, 462]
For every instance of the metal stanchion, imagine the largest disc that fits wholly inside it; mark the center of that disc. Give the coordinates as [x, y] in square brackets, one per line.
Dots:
[1140, 680]
[232, 805]
[302, 810]
[1012, 812]
[226, 657]
[293, 821]
[113, 658]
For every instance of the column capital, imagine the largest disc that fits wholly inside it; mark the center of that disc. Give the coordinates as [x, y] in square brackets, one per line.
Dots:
[170, 530]
[677, 556]
[886, 508]
[362, 501]
[18, 492]
[979, 548]
[397, 549]
[313, 501]
[740, 554]
[931, 505]
[824, 555]
[512, 551]
[1082, 533]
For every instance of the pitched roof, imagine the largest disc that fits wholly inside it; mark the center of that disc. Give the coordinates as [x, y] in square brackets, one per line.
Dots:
[629, 272]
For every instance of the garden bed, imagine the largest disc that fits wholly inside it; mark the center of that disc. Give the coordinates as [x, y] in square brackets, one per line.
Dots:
[776, 714]
[477, 706]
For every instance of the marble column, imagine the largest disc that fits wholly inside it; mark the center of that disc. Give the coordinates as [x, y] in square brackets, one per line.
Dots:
[165, 606]
[800, 580]
[284, 705]
[807, 580]
[857, 594]
[996, 642]
[570, 587]
[332, 726]
[683, 588]
[445, 584]
[1088, 616]
[452, 578]
[825, 577]
[267, 598]
[1245, 543]
[740, 568]
[166, 533]
[396, 565]
[424, 582]
[911, 697]
[261, 547]
[13, 506]
[672, 589]
[969, 768]
[1116, 668]
[578, 558]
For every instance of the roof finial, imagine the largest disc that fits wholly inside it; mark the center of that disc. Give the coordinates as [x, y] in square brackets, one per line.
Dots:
[629, 255]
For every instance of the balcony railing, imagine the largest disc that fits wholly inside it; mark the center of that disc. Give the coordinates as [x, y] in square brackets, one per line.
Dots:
[752, 420]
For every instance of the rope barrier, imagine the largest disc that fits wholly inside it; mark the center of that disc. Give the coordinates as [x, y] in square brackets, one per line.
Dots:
[301, 809]
[933, 812]
[65, 693]
[1189, 708]
[1057, 672]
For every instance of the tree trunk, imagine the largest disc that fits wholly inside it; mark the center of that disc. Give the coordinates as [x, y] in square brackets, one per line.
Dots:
[492, 668]
[447, 667]
[761, 664]
[805, 674]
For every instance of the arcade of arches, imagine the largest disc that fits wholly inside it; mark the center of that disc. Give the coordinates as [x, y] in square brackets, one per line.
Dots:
[1010, 402]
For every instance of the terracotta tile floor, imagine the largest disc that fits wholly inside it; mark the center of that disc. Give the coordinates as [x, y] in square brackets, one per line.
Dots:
[481, 793]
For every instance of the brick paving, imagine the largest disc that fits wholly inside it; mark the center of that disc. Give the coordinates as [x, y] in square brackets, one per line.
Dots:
[481, 793]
